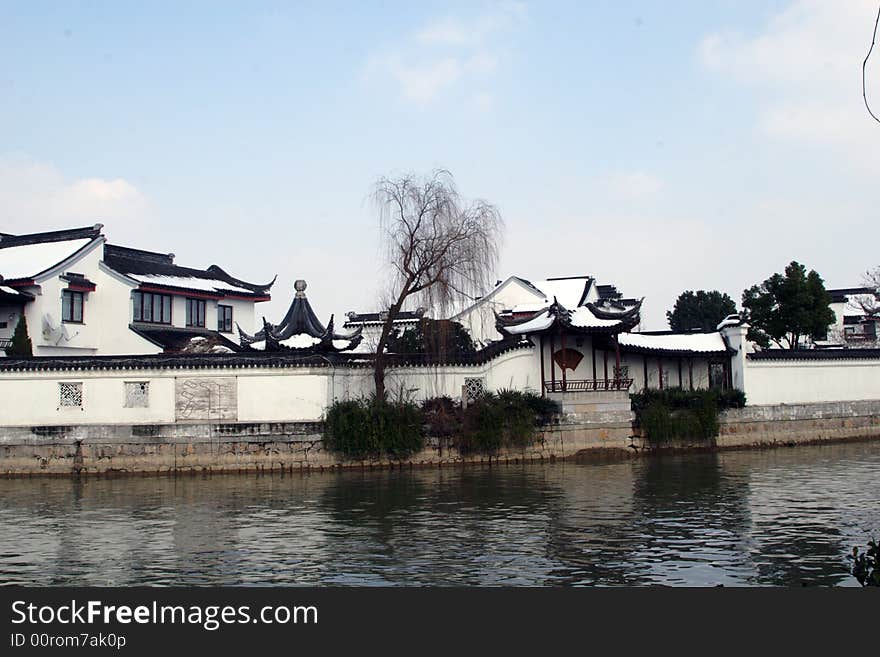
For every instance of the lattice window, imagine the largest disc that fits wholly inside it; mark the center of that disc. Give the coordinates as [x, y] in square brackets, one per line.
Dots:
[474, 388]
[621, 372]
[70, 394]
[137, 394]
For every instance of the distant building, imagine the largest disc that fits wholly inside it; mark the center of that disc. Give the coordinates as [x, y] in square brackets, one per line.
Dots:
[371, 326]
[517, 298]
[852, 327]
[83, 296]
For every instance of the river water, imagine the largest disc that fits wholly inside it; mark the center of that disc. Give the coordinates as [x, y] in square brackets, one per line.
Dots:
[774, 517]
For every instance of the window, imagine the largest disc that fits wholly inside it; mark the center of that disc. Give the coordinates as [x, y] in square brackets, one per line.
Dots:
[195, 312]
[153, 308]
[224, 319]
[70, 395]
[72, 306]
[474, 388]
[137, 394]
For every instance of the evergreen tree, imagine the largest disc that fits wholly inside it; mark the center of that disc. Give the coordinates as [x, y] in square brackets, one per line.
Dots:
[699, 310]
[21, 341]
[436, 338]
[785, 308]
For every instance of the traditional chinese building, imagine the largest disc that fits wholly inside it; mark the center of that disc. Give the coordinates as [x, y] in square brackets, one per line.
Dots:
[300, 331]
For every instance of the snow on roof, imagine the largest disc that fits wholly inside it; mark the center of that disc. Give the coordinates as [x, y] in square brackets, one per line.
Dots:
[583, 317]
[693, 342]
[28, 260]
[568, 291]
[189, 283]
[539, 323]
[300, 341]
[8, 290]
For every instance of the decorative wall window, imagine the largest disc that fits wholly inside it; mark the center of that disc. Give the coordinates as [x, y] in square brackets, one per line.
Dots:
[137, 394]
[621, 372]
[664, 382]
[70, 395]
[195, 312]
[152, 308]
[72, 306]
[474, 388]
[224, 319]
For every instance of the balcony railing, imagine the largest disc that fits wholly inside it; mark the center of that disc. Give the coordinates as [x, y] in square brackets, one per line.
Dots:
[587, 385]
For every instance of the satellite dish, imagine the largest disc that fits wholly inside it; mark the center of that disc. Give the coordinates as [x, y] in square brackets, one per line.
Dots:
[55, 333]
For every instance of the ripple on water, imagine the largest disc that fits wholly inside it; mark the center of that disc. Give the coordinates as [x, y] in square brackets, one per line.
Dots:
[781, 517]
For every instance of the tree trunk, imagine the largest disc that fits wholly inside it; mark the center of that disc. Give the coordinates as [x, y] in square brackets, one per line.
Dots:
[380, 360]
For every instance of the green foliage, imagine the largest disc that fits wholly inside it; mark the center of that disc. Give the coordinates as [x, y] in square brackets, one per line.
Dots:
[676, 414]
[443, 416]
[509, 418]
[700, 310]
[21, 341]
[373, 427]
[785, 308]
[438, 339]
[866, 565]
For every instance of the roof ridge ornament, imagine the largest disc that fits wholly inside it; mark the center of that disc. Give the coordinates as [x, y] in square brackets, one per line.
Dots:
[300, 286]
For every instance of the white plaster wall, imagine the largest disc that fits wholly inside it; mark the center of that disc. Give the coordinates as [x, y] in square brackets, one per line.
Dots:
[33, 399]
[479, 319]
[282, 395]
[795, 382]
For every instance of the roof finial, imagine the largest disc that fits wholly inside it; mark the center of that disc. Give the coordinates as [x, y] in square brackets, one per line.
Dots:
[300, 287]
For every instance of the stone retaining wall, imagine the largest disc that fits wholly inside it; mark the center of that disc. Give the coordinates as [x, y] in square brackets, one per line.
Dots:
[295, 446]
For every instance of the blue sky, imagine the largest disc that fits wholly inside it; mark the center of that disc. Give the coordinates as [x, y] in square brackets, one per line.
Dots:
[658, 146]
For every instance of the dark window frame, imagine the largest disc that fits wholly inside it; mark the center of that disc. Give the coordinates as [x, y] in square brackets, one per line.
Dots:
[160, 306]
[71, 306]
[201, 310]
[222, 320]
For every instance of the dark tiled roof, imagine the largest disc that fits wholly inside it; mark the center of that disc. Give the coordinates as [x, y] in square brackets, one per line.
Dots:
[403, 316]
[814, 354]
[91, 232]
[135, 262]
[842, 294]
[176, 340]
[245, 360]
[608, 292]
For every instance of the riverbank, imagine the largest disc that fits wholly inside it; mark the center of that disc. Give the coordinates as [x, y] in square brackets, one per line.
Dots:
[180, 448]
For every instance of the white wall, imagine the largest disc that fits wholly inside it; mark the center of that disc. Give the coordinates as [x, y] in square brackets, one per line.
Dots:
[806, 381]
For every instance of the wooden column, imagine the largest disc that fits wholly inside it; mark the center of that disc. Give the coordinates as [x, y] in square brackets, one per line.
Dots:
[660, 371]
[605, 354]
[543, 386]
[691, 372]
[593, 349]
[680, 384]
[564, 358]
[617, 362]
[645, 367]
[552, 365]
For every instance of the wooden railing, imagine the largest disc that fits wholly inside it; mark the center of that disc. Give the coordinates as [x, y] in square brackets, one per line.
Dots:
[587, 385]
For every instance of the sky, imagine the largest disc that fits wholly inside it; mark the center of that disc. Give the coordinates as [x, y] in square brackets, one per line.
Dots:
[660, 147]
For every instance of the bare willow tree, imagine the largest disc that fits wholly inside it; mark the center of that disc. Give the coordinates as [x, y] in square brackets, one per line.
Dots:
[869, 303]
[440, 249]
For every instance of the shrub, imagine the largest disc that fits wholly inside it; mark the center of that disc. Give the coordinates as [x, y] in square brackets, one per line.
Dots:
[674, 413]
[508, 418]
[372, 427]
[442, 416]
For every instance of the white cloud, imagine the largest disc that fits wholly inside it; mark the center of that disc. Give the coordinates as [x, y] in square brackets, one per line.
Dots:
[447, 53]
[805, 65]
[36, 196]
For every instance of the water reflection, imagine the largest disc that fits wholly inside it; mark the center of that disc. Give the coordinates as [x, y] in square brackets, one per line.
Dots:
[775, 517]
